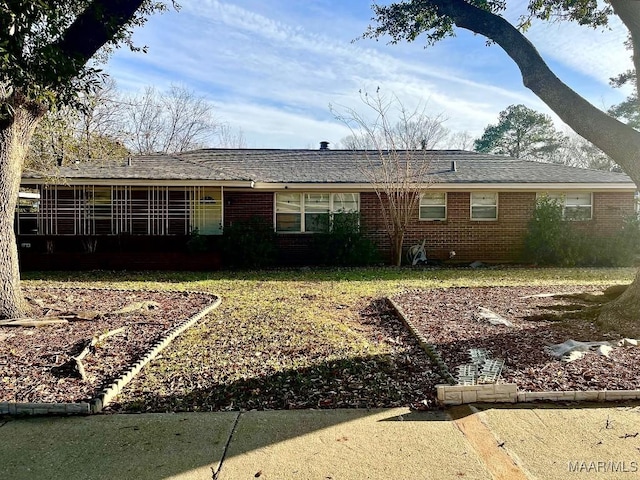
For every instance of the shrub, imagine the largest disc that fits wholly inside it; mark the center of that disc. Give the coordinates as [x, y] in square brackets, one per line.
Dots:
[249, 243]
[546, 235]
[551, 240]
[345, 243]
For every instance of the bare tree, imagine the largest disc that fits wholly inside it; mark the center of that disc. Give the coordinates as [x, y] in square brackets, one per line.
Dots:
[576, 151]
[460, 141]
[173, 121]
[395, 158]
[227, 137]
[412, 131]
[87, 131]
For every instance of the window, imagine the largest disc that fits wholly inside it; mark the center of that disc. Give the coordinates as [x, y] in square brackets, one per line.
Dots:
[311, 212]
[575, 205]
[207, 210]
[99, 203]
[433, 206]
[27, 210]
[345, 202]
[316, 212]
[484, 206]
[288, 212]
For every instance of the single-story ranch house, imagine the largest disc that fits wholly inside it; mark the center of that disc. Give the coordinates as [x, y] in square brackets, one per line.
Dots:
[139, 213]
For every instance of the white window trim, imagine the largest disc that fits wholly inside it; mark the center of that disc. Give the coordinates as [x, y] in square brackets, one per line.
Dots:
[302, 210]
[471, 205]
[564, 204]
[446, 210]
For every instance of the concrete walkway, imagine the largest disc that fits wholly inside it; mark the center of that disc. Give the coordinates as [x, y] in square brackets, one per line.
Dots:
[486, 442]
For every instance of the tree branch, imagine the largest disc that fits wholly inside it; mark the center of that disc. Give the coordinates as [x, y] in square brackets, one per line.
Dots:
[619, 141]
[629, 13]
[101, 22]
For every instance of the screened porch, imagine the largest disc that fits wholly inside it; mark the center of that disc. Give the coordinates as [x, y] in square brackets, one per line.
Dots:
[119, 210]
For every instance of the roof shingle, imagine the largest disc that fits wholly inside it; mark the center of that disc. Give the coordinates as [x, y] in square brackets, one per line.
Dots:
[330, 166]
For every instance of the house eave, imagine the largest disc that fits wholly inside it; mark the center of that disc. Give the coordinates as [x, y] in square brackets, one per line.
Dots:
[138, 182]
[441, 186]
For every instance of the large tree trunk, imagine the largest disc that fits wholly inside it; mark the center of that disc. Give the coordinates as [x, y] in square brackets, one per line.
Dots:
[623, 313]
[15, 134]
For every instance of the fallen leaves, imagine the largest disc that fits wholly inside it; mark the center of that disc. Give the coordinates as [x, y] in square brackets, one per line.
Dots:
[52, 363]
[540, 319]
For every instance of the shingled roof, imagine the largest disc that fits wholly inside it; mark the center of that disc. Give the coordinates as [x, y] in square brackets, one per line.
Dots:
[330, 166]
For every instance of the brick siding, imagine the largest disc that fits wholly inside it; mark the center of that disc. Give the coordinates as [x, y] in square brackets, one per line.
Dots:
[490, 241]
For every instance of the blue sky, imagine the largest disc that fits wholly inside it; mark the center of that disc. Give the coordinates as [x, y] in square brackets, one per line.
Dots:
[273, 68]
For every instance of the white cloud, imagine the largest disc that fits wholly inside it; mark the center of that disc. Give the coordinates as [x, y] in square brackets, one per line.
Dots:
[272, 127]
[276, 78]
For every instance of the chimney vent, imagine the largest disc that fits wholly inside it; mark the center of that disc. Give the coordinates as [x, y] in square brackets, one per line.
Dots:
[454, 167]
[128, 161]
[324, 145]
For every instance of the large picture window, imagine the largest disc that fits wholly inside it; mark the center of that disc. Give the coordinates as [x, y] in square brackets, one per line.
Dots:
[575, 205]
[311, 211]
[484, 206]
[433, 206]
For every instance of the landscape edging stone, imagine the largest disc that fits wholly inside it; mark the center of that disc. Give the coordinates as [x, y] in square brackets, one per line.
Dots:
[105, 396]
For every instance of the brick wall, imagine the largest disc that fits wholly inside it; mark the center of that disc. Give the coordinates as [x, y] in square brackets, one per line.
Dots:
[244, 205]
[490, 241]
[609, 209]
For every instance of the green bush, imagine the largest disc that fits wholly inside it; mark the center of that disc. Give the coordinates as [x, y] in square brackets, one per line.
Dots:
[545, 243]
[249, 243]
[345, 243]
[551, 240]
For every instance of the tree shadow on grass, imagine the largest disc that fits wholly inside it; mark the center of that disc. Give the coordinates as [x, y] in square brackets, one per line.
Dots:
[375, 381]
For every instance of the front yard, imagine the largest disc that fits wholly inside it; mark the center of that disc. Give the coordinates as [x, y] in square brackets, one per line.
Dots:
[298, 339]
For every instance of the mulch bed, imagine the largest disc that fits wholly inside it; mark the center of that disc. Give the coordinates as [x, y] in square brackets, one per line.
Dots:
[34, 362]
[448, 319]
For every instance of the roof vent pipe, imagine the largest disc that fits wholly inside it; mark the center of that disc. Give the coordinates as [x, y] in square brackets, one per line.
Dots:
[454, 167]
[324, 145]
[128, 161]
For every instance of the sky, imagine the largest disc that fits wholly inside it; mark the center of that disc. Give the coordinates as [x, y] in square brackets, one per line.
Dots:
[272, 69]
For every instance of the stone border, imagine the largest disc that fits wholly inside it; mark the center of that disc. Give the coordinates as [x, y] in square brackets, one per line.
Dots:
[508, 393]
[10, 408]
[429, 349]
[452, 394]
[97, 404]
